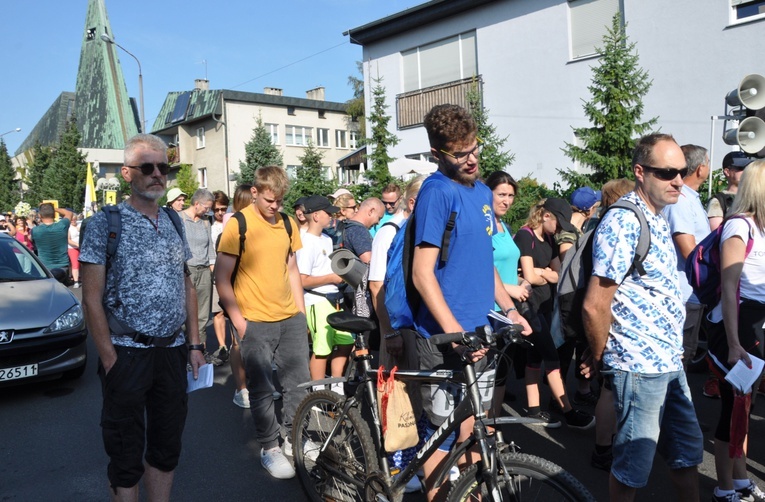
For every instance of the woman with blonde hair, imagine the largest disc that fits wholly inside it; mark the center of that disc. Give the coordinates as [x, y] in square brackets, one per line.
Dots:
[742, 312]
[540, 265]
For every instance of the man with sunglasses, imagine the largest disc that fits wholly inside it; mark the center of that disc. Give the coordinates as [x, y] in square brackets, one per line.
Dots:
[733, 165]
[634, 324]
[199, 237]
[458, 294]
[390, 197]
[136, 304]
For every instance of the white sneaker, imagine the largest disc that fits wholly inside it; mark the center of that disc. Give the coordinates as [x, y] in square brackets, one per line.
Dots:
[310, 449]
[242, 398]
[277, 465]
[337, 388]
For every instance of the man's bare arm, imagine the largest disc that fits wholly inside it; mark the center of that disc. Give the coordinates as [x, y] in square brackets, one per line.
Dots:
[424, 279]
[596, 314]
[93, 287]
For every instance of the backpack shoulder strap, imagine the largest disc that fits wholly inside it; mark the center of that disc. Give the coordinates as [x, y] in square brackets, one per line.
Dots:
[644, 241]
[387, 223]
[114, 231]
[240, 219]
[725, 200]
[287, 225]
[451, 222]
[177, 223]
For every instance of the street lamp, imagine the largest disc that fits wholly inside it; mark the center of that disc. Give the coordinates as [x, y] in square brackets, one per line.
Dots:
[106, 38]
[18, 129]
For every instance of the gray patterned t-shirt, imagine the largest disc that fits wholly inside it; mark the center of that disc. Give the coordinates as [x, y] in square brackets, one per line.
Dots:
[145, 283]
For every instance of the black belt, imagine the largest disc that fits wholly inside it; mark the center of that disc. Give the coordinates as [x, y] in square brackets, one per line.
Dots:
[156, 341]
[199, 266]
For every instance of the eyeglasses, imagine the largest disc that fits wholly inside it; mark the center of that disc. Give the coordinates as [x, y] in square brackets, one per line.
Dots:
[147, 168]
[462, 157]
[666, 173]
[352, 208]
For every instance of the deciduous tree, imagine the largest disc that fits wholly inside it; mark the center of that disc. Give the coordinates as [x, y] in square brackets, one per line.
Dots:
[9, 188]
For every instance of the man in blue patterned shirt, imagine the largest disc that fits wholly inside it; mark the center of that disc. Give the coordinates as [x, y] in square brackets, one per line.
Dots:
[634, 324]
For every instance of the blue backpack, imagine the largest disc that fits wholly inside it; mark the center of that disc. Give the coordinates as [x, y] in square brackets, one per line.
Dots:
[402, 300]
[702, 267]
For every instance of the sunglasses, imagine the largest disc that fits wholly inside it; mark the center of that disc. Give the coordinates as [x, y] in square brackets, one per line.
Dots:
[393, 203]
[666, 173]
[350, 207]
[221, 209]
[147, 168]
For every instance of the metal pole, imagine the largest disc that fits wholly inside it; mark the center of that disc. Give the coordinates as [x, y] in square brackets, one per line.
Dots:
[106, 38]
[711, 156]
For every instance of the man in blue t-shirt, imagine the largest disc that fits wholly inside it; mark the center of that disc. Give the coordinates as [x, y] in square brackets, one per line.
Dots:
[51, 237]
[458, 294]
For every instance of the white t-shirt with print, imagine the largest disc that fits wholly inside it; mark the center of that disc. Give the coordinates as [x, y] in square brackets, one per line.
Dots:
[753, 273]
[313, 259]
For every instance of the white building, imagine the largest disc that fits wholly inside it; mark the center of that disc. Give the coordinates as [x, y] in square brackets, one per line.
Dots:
[209, 129]
[534, 60]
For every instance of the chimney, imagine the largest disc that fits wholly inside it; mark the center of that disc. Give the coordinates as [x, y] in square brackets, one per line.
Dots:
[202, 84]
[317, 94]
[273, 91]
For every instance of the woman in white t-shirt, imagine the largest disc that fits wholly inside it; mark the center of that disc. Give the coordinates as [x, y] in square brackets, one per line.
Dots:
[73, 250]
[742, 311]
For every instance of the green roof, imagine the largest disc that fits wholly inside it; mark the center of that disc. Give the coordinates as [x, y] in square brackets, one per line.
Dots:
[51, 126]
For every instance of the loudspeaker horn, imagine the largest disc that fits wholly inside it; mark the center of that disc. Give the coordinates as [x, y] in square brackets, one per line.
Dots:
[750, 93]
[750, 135]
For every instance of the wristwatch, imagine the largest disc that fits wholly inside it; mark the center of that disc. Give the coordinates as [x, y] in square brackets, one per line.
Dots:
[197, 346]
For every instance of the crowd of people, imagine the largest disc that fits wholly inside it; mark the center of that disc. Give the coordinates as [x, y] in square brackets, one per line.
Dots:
[265, 282]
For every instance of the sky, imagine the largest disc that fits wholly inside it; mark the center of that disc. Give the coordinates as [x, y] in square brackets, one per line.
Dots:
[295, 45]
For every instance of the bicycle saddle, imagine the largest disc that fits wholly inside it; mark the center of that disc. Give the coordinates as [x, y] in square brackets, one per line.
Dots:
[345, 321]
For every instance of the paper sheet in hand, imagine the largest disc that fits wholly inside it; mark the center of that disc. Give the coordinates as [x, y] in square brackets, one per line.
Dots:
[742, 378]
[204, 380]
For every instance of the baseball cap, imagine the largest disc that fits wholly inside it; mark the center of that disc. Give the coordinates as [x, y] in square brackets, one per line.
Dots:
[584, 198]
[174, 193]
[2, 218]
[299, 202]
[737, 160]
[319, 203]
[562, 211]
[339, 192]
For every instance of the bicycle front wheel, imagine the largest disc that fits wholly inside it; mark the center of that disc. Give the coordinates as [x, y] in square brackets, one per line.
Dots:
[530, 478]
[338, 472]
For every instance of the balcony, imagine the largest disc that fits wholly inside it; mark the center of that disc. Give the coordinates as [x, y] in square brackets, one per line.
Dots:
[412, 106]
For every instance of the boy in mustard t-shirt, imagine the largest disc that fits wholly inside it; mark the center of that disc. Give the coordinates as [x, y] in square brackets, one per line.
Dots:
[266, 308]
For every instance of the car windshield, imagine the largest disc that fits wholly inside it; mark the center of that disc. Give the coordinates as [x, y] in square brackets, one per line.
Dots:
[17, 263]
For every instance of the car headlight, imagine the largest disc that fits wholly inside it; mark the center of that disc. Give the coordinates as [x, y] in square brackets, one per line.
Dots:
[68, 320]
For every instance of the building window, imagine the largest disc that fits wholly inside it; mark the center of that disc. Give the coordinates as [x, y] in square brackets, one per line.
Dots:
[273, 131]
[745, 10]
[292, 172]
[322, 114]
[290, 110]
[447, 60]
[298, 136]
[200, 138]
[354, 141]
[202, 177]
[589, 20]
[322, 137]
[341, 139]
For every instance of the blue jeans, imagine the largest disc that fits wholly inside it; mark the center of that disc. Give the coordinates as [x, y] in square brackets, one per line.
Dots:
[653, 411]
[285, 344]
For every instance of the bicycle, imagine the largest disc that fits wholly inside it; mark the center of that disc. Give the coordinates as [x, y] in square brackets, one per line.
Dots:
[338, 458]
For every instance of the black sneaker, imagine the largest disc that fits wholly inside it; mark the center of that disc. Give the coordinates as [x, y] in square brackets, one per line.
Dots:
[589, 399]
[222, 354]
[602, 461]
[212, 359]
[545, 420]
[578, 419]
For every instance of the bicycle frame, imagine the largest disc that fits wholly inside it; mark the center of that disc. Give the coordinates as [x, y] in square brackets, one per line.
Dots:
[470, 406]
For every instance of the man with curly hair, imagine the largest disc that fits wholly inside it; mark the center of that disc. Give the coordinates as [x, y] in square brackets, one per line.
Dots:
[456, 295]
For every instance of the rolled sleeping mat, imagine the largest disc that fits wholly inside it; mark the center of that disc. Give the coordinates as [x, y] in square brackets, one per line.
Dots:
[348, 267]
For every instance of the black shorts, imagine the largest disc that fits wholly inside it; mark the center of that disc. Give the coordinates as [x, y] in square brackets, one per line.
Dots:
[151, 381]
[751, 316]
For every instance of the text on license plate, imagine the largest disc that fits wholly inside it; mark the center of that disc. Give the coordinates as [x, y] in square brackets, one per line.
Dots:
[29, 370]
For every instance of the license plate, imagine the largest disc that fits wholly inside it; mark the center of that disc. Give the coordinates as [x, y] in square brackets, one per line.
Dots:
[29, 370]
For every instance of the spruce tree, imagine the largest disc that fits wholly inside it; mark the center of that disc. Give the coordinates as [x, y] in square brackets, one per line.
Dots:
[310, 178]
[380, 141]
[9, 188]
[614, 110]
[258, 152]
[65, 178]
[41, 159]
[493, 157]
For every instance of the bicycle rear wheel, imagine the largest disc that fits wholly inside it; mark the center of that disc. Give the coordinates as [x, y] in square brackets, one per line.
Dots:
[531, 478]
[339, 472]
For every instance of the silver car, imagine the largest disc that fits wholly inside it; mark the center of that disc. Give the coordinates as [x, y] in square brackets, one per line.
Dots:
[42, 327]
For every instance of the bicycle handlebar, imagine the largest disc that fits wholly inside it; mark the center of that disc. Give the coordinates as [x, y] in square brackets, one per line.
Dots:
[482, 336]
